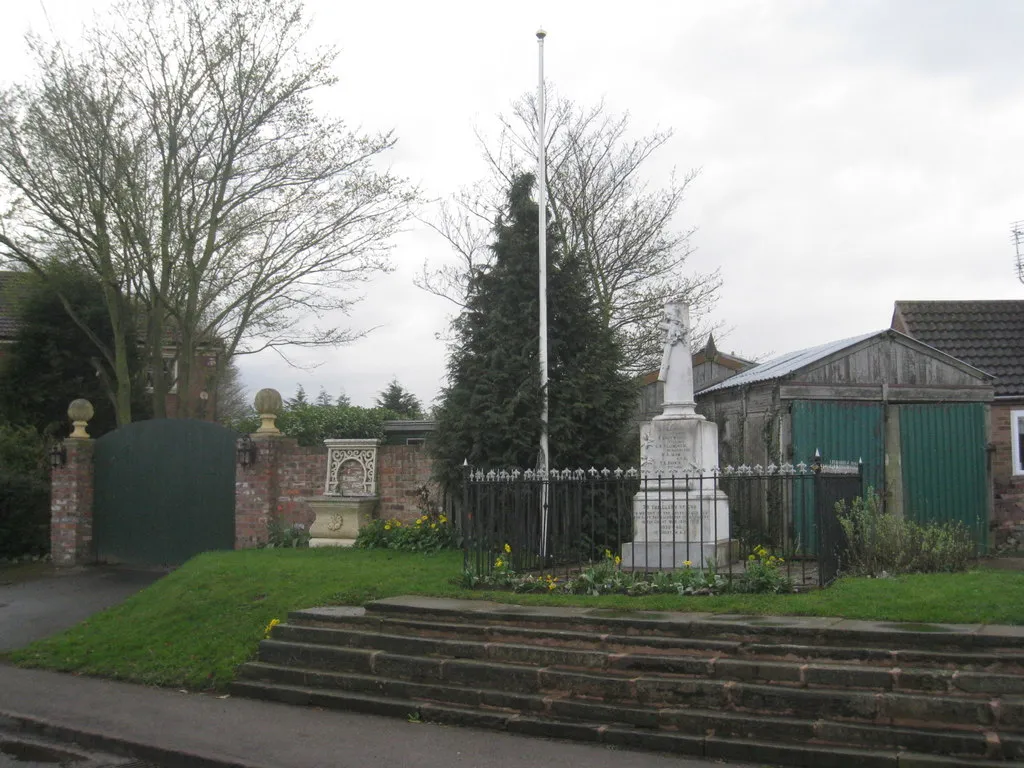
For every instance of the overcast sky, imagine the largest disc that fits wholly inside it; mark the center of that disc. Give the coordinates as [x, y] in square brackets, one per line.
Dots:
[851, 153]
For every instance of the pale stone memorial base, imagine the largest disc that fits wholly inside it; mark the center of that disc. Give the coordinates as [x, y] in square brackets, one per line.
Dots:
[678, 529]
[339, 519]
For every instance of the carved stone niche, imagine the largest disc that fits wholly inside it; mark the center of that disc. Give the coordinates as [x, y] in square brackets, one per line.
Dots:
[350, 492]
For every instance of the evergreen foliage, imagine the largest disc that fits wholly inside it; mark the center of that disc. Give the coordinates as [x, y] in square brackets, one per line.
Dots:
[396, 398]
[24, 492]
[491, 410]
[312, 423]
[53, 361]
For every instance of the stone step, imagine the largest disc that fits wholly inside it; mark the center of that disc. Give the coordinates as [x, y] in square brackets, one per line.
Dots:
[649, 689]
[623, 655]
[1011, 659]
[823, 750]
[818, 631]
[688, 720]
[1008, 661]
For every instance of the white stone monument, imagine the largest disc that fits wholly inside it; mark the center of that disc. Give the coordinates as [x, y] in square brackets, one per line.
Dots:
[350, 492]
[678, 517]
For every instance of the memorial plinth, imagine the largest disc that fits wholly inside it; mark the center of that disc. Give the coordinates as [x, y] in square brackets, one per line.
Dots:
[680, 516]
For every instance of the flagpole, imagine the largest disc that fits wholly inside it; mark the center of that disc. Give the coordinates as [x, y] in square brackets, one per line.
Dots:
[543, 263]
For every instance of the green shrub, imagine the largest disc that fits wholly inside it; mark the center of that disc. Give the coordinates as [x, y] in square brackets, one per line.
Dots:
[763, 574]
[283, 536]
[24, 493]
[432, 531]
[880, 543]
[311, 424]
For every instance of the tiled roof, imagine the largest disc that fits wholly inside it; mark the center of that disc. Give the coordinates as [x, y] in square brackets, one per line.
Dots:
[786, 364]
[987, 334]
[12, 290]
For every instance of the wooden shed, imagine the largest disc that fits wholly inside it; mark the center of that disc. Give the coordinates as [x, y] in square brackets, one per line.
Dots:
[916, 417]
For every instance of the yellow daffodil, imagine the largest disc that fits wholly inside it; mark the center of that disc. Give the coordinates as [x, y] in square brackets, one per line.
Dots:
[618, 559]
[508, 550]
[687, 563]
[273, 623]
[387, 526]
[498, 563]
[419, 522]
[443, 519]
[433, 525]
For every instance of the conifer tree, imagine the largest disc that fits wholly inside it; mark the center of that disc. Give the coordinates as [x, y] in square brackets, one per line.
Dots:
[490, 411]
[396, 398]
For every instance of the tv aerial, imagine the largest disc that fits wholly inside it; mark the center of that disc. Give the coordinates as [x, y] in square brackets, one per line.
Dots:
[1017, 233]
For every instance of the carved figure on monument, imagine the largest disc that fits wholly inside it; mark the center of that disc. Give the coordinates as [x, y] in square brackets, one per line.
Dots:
[676, 362]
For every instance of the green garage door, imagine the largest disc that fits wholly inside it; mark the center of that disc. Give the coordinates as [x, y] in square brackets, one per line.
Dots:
[945, 476]
[842, 431]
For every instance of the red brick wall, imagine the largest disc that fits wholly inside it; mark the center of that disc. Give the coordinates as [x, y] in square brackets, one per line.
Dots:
[201, 380]
[1002, 439]
[71, 506]
[302, 473]
[255, 488]
[402, 471]
[280, 482]
[299, 473]
[1009, 488]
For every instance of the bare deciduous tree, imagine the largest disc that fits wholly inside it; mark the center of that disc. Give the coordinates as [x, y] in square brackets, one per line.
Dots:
[603, 210]
[178, 154]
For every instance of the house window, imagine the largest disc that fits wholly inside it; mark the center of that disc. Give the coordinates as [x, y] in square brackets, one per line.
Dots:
[1017, 428]
[170, 375]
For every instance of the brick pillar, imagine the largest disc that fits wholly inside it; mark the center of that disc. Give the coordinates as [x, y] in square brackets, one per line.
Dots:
[71, 506]
[256, 491]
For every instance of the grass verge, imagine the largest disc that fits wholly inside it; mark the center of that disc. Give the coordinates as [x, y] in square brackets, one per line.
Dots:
[195, 626]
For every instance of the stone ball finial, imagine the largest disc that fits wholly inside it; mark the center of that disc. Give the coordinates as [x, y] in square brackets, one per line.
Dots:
[268, 405]
[80, 411]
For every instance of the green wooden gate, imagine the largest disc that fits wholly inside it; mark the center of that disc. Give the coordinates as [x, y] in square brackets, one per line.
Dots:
[164, 491]
[842, 431]
[945, 471]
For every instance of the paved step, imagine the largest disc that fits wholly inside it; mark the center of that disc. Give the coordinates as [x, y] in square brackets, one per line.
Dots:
[802, 630]
[711, 745]
[765, 664]
[1011, 660]
[261, 679]
[657, 689]
[801, 692]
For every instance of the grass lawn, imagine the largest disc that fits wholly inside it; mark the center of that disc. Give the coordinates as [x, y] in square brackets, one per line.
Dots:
[196, 625]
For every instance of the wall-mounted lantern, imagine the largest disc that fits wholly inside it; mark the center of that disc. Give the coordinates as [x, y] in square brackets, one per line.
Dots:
[58, 456]
[246, 451]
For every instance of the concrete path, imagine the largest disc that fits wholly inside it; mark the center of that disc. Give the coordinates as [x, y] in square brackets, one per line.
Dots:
[173, 728]
[57, 599]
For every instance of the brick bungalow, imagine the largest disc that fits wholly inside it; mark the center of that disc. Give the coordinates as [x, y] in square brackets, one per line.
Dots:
[989, 335]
